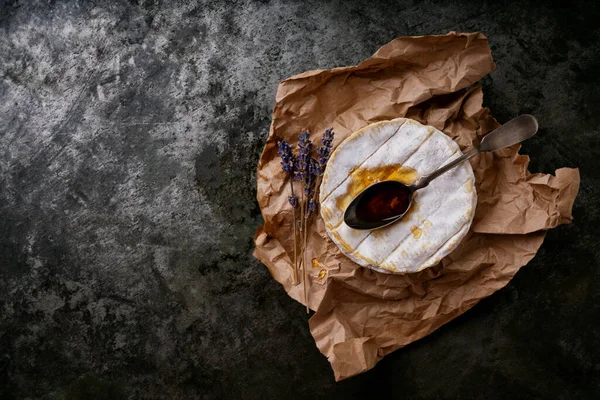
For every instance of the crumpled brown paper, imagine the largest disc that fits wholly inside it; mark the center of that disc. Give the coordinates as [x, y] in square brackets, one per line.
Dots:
[362, 315]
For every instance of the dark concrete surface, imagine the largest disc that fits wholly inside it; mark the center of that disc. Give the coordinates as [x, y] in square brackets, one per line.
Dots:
[129, 135]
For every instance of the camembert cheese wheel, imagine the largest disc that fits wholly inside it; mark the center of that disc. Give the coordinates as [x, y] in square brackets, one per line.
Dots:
[403, 150]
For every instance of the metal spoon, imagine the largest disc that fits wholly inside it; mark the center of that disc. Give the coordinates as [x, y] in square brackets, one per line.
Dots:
[514, 131]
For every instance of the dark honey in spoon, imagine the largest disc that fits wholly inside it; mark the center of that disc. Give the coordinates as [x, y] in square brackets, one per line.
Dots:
[389, 201]
[376, 207]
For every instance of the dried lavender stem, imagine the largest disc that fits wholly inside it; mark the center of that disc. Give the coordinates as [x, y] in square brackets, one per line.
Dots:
[295, 249]
[301, 224]
[303, 230]
[317, 185]
[295, 236]
[304, 264]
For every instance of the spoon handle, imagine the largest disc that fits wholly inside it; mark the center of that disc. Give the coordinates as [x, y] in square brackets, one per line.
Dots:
[514, 131]
[424, 180]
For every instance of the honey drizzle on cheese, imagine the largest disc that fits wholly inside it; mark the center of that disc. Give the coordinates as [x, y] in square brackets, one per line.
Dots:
[362, 178]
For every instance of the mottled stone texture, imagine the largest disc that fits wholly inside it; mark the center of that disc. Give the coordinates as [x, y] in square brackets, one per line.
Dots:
[129, 135]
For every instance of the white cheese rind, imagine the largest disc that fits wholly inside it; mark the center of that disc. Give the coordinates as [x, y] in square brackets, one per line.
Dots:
[441, 214]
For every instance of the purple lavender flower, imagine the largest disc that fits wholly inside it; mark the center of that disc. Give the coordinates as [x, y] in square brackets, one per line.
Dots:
[288, 165]
[324, 150]
[303, 160]
[312, 205]
[288, 161]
